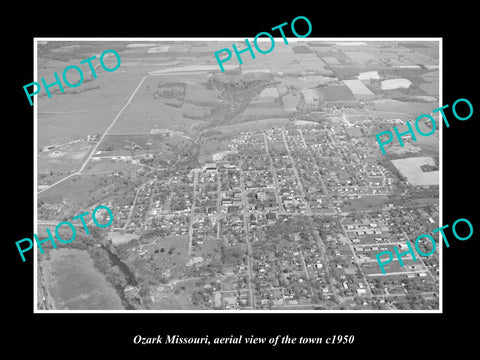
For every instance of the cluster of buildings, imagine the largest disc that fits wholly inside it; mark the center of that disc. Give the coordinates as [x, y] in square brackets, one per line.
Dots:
[304, 176]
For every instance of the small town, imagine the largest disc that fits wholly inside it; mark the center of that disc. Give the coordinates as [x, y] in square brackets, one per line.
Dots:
[261, 188]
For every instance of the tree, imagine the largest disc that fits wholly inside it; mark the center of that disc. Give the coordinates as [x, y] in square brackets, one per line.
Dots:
[237, 251]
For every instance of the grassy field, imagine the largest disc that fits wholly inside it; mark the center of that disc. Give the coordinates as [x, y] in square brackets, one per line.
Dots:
[335, 93]
[111, 92]
[411, 108]
[211, 147]
[179, 298]
[78, 190]
[198, 94]
[147, 143]
[108, 165]
[254, 112]
[62, 160]
[146, 112]
[367, 202]
[118, 238]
[74, 284]
[77, 113]
[410, 168]
[59, 128]
[168, 252]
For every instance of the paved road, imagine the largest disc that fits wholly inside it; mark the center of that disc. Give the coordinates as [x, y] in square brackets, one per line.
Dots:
[398, 273]
[134, 201]
[249, 246]
[192, 213]
[297, 177]
[274, 175]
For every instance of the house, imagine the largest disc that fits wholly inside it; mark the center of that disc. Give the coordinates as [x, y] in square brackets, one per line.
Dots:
[271, 216]
[262, 196]
[209, 168]
[361, 291]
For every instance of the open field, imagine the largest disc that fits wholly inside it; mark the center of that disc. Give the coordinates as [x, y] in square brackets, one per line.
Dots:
[78, 190]
[74, 283]
[254, 112]
[335, 93]
[63, 159]
[211, 147]
[109, 166]
[144, 143]
[367, 202]
[117, 238]
[62, 127]
[305, 82]
[147, 112]
[411, 108]
[199, 94]
[168, 252]
[177, 298]
[390, 84]
[210, 248]
[111, 92]
[358, 89]
[410, 168]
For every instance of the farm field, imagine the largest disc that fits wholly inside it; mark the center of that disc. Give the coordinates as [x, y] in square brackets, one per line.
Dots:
[414, 109]
[74, 284]
[410, 168]
[358, 88]
[146, 112]
[254, 112]
[111, 91]
[305, 82]
[335, 93]
[62, 127]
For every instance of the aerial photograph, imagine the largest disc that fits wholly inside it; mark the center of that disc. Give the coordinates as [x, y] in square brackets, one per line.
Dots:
[259, 188]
